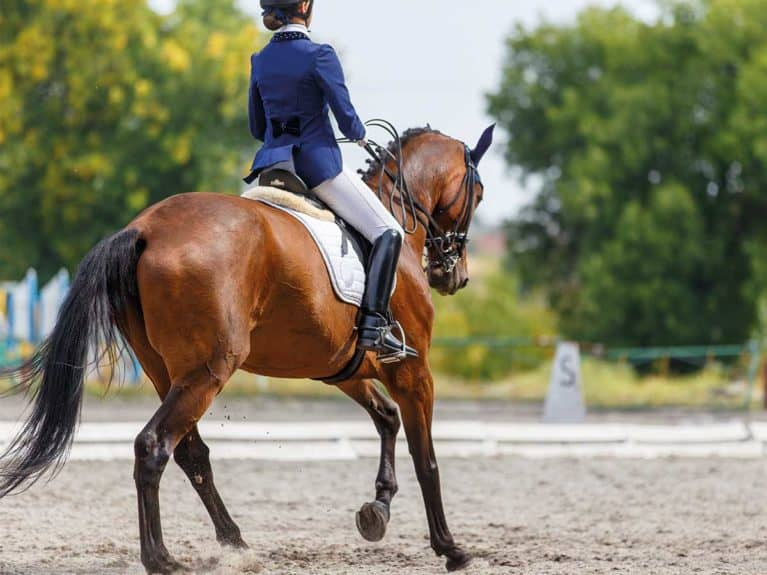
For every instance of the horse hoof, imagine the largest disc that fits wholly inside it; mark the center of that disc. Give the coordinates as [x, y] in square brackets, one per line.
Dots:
[458, 560]
[233, 542]
[164, 566]
[372, 520]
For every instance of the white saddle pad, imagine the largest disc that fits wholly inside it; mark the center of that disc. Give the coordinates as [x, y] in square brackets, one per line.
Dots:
[339, 251]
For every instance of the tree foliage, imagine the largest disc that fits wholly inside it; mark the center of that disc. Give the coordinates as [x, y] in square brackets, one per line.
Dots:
[650, 140]
[490, 310]
[106, 107]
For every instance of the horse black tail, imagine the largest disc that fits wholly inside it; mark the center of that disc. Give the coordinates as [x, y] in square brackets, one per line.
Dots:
[54, 378]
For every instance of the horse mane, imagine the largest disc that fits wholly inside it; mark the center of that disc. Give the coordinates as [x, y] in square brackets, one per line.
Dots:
[375, 166]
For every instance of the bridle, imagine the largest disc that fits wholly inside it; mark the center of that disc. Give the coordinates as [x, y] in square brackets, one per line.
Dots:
[451, 245]
[445, 247]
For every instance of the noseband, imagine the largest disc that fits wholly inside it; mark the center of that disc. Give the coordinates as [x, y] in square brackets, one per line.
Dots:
[445, 248]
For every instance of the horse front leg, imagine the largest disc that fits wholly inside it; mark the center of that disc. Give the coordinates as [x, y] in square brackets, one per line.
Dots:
[373, 517]
[412, 387]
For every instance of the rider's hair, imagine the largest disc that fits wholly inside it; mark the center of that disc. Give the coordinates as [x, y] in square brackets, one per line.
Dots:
[275, 19]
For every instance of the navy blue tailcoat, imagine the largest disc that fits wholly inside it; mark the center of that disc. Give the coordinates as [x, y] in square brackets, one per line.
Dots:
[293, 84]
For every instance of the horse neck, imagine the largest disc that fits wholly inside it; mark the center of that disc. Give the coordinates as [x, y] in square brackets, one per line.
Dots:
[427, 175]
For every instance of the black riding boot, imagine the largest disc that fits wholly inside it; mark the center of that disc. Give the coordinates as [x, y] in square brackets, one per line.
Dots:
[374, 327]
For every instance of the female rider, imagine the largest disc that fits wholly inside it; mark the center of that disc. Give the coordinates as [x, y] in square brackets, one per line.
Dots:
[293, 82]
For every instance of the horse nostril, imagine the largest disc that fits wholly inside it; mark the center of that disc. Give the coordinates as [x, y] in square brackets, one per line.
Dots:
[465, 283]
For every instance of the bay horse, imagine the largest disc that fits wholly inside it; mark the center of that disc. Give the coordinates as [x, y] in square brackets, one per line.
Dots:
[201, 285]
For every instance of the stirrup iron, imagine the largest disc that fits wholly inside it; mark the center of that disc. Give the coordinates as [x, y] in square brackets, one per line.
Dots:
[397, 356]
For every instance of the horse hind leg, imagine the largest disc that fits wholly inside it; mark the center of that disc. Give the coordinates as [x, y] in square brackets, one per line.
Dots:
[148, 468]
[192, 456]
[185, 403]
[373, 518]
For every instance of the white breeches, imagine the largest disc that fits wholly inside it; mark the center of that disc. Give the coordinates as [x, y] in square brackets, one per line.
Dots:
[350, 198]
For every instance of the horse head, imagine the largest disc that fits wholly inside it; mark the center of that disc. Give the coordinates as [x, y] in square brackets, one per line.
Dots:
[455, 197]
[442, 190]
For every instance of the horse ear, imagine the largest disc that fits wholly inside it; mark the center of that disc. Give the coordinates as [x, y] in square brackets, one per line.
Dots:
[485, 141]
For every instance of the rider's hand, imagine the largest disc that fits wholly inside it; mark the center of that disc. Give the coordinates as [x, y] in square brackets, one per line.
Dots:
[363, 143]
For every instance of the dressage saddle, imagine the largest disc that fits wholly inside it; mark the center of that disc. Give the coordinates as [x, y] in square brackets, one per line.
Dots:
[284, 180]
[289, 182]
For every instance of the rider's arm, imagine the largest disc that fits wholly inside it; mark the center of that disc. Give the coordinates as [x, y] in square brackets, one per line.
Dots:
[330, 77]
[256, 112]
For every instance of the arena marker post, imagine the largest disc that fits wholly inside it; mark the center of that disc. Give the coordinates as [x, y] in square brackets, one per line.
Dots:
[564, 400]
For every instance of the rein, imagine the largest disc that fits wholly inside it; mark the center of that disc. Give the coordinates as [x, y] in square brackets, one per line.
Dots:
[447, 246]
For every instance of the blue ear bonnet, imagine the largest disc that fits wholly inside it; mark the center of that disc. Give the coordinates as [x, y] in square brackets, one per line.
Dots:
[485, 141]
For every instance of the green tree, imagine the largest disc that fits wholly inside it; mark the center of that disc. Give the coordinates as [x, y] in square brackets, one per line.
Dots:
[107, 108]
[491, 309]
[650, 140]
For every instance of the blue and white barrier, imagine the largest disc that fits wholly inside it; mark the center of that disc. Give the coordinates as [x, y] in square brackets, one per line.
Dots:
[28, 315]
[21, 300]
[51, 297]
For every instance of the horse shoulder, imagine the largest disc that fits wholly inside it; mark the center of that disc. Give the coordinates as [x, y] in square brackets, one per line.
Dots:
[412, 302]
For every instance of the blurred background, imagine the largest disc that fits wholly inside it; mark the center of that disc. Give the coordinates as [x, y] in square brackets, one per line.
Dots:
[625, 195]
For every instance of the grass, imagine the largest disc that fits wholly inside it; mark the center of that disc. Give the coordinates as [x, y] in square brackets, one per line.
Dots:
[606, 386]
[609, 385]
